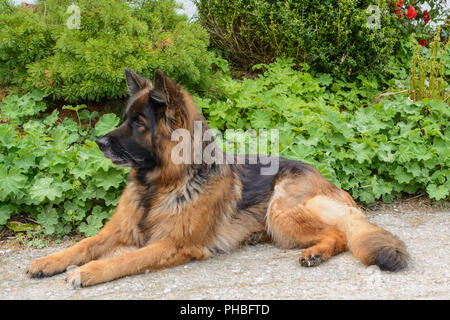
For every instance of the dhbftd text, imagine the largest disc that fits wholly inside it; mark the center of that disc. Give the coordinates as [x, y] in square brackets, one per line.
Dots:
[206, 145]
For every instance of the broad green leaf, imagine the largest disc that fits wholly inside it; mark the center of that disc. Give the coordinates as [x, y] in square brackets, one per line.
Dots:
[324, 79]
[363, 152]
[74, 211]
[402, 176]
[26, 160]
[106, 123]
[94, 158]
[48, 220]
[5, 214]
[438, 192]
[51, 119]
[11, 181]
[108, 179]
[46, 188]
[260, 119]
[94, 222]
[7, 134]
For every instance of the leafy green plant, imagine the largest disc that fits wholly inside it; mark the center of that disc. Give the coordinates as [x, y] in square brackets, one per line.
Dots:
[24, 39]
[379, 151]
[32, 239]
[17, 108]
[52, 170]
[428, 78]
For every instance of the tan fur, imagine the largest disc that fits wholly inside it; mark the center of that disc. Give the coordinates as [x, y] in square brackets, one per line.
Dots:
[327, 219]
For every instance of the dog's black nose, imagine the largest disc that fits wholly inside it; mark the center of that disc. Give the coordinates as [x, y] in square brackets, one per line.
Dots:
[102, 143]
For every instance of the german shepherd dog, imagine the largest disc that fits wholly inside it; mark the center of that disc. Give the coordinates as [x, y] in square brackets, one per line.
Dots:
[172, 213]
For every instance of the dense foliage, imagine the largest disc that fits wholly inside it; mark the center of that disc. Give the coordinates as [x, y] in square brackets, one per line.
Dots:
[38, 50]
[331, 36]
[379, 151]
[377, 136]
[52, 169]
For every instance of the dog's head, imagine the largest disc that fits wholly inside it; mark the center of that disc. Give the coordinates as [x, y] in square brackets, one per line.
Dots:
[143, 140]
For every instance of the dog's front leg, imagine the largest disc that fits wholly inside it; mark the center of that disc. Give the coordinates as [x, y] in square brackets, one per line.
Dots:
[158, 255]
[82, 252]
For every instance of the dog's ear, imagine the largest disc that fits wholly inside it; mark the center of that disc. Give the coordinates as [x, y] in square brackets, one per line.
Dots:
[166, 90]
[135, 82]
[167, 97]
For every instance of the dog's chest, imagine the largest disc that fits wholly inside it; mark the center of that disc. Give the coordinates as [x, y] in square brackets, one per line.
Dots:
[180, 215]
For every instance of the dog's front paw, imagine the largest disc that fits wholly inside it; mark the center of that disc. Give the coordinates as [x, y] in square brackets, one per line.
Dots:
[87, 275]
[45, 267]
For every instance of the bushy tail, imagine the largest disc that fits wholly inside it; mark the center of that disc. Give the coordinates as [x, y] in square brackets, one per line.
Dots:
[366, 241]
[374, 245]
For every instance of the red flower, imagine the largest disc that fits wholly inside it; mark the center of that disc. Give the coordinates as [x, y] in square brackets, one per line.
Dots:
[423, 42]
[398, 10]
[426, 18]
[412, 12]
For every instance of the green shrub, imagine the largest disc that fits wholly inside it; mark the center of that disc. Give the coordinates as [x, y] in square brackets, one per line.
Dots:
[381, 151]
[331, 36]
[52, 170]
[88, 63]
[24, 39]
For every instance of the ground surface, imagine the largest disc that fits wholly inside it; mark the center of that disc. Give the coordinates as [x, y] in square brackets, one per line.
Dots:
[265, 272]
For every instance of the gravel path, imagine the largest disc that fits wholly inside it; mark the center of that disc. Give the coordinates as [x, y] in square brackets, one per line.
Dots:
[265, 272]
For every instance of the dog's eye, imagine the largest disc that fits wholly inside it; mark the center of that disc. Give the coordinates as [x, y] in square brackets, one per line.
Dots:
[139, 123]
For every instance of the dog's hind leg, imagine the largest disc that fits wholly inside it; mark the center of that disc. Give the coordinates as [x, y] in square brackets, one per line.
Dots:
[328, 242]
[308, 212]
[297, 226]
